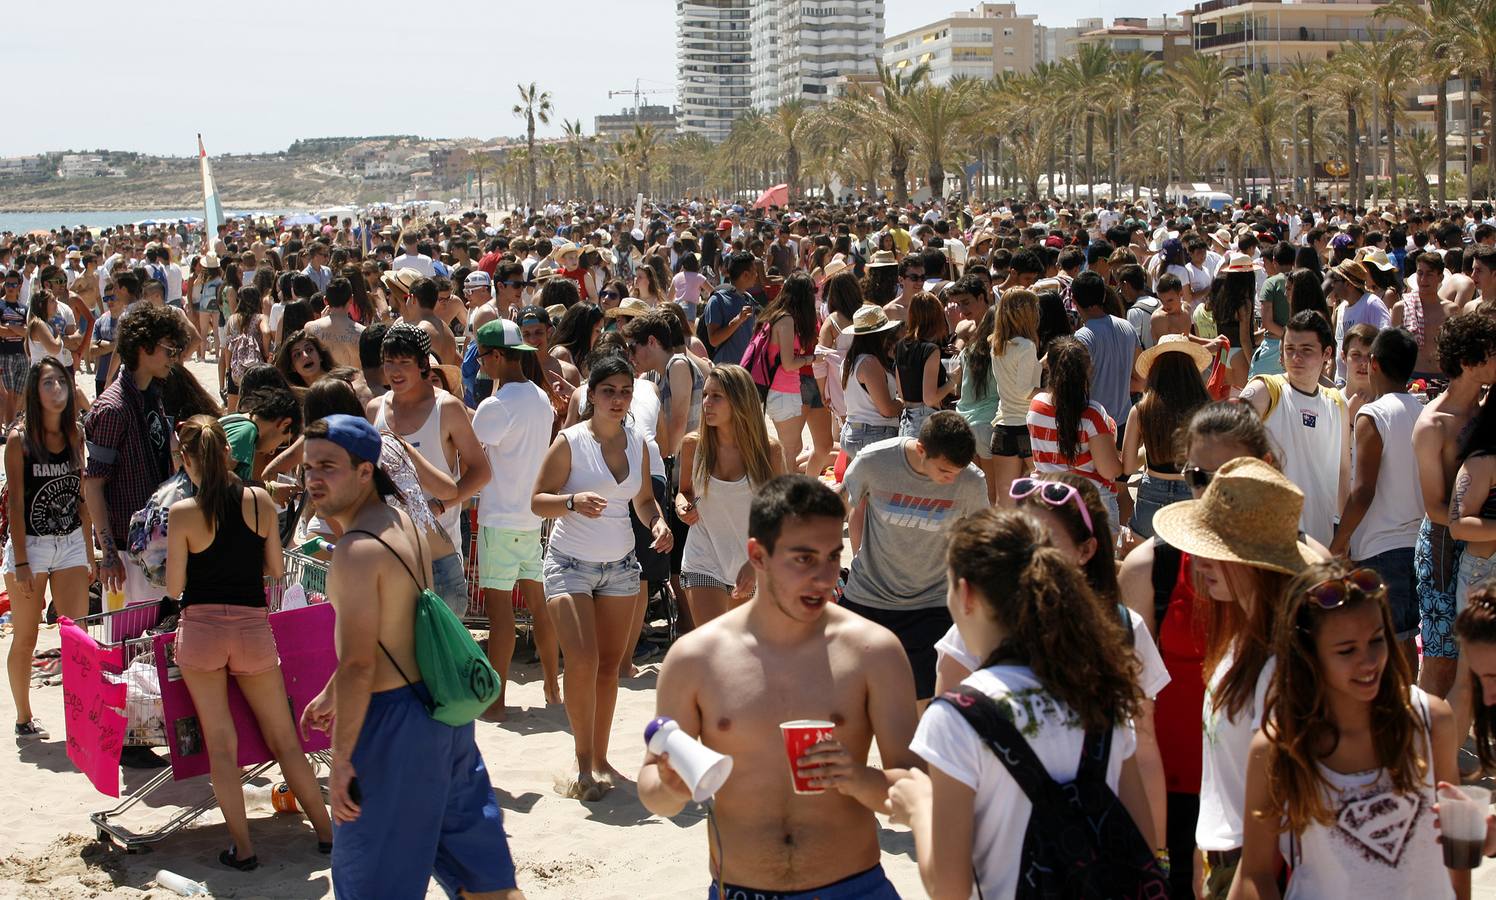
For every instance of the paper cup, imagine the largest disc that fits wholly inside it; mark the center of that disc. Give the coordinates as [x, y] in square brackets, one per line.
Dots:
[1462, 824]
[799, 736]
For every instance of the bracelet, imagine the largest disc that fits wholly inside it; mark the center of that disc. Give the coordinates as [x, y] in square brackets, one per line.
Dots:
[23, 563]
[654, 520]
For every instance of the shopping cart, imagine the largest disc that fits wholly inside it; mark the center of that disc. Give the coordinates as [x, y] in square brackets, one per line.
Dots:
[477, 613]
[150, 730]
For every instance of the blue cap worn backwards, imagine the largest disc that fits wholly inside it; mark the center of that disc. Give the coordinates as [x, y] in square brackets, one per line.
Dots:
[356, 435]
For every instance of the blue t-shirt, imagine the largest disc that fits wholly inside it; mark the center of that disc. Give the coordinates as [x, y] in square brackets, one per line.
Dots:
[1113, 344]
[721, 307]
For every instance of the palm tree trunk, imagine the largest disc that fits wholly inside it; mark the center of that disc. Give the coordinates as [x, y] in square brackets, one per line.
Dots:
[480, 188]
[1469, 135]
[1090, 161]
[1488, 84]
[1375, 137]
[899, 170]
[1309, 127]
[530, 143]
[1353, 137]
[1441, 126]
[1392, 150]
[1070, 162]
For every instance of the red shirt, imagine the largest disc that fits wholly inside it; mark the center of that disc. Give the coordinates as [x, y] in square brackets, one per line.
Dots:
[579, 276]
[1177, 709]
[489, 262]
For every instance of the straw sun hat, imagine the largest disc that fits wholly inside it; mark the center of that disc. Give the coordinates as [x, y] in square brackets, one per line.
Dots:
[870, 319]
[1249, 514]
[627, 308]
[1172, 343]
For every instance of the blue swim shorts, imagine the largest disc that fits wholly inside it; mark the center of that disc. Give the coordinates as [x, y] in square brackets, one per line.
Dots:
[1436, 564]
[427, 808]
[869, 885]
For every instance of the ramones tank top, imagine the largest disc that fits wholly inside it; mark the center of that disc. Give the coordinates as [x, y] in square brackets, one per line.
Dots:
[51, 493]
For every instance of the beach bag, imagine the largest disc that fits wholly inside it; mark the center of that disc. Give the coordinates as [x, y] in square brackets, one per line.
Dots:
[462, 682]
[145, 539]
[761, 360]
[1219, 384]
[1081, 843]
[244, 351]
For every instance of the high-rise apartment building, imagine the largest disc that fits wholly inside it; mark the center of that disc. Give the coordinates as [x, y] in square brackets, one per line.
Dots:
[1256, 34]
[980, 43]
[799, 49]
[714, 70]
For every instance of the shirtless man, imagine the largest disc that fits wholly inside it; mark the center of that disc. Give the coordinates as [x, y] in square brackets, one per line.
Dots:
[449, 821]
[437, 426]
[1483, 274]
[1431, 310]
[1457, 287]
[420, 311]
[791, 653]
[336, 329]
[1467, 356]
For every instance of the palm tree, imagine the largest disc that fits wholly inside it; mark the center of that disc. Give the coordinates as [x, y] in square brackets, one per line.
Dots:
[1302, 84]
[577, 140]
[1430, 28]
[638, 149]
[1348, 83]
[1474, 35]
[1391, 68]
[1203, 82]
[1092, 63]
[789, 122]
[534, 105]
[479, 163]
[929, 117]
[1134, 76]
[883, 108]
[1422, 154]
[554, 158]
[1261, 109]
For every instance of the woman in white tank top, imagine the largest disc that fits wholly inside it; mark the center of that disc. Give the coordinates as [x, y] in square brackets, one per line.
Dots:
[591, 473]
[721, 465]
[1342, 784]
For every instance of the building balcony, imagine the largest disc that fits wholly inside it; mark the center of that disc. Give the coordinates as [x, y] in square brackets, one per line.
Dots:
[1303, 34]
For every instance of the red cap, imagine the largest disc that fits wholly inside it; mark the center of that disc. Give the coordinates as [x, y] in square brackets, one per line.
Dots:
[724, 225]
[1055, 242]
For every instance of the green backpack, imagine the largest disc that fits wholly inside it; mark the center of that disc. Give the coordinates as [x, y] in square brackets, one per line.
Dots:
[462, 682]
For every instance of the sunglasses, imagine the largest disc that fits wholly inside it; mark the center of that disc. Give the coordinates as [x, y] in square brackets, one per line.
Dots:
[1054, 493]
[609, 295]
[1196, 477]
[171, 351]
[1333, 593]
[512, 284]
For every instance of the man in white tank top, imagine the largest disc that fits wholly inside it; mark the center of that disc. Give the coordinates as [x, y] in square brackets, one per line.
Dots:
[435, 424]
[1308, 423]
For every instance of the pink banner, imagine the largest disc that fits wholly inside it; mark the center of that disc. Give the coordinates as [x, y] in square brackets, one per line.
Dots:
[304, 640]
[92, 703]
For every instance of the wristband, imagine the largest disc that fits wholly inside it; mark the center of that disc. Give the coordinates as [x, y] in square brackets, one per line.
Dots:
[654, 520]
[23, 563]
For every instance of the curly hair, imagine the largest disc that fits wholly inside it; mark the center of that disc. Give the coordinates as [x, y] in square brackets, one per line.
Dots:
[283, 356]
[1465, 342]
[1053, 622]
[1297, 719]
[145, 326]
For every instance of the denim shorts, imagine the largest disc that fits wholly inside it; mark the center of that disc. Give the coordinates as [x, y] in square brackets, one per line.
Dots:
[856, 435]
[1396, 569]
[810, 392]
[1153, 495]
[913, 418]
[982, 431]
[1011, 441]
[1474, 571]
[449, 580]
[48, 553]
[569, 575]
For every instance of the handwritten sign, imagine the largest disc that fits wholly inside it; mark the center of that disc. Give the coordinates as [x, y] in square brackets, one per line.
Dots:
[304, 641]
[92, 703]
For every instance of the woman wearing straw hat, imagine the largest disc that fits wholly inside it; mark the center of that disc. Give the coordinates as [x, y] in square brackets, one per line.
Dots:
[1172, 369]
[867, 381]
[1242, 537]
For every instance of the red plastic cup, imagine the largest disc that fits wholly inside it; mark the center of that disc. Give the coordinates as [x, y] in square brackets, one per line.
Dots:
[799, 736]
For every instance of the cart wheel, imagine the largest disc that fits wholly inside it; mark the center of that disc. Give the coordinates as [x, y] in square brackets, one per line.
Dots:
[103, 837]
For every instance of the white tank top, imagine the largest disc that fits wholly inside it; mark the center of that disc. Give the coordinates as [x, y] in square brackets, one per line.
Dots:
[860, 407]
[609, 537]
[717, 545]
[1382, 844]
[1392, 520]
[427, 441]
[1308, 429]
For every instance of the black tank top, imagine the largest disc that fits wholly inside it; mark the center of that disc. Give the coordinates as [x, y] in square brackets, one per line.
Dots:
[909, 362]
[232, 570]
[51, 492]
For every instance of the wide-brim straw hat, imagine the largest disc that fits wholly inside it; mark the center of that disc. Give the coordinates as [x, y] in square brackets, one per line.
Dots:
[882, 258]
[628, 307]
[834, 267]
[1353, 272]
[1172, 343]
[1378, 257]
[564, 248]
[870, 319]
[1237, 262]
[403, 278]
[1249, 514]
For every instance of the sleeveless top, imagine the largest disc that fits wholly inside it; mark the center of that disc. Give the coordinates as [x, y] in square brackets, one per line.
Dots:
[427, 441]
[1181, 644]
[860, 407]
[610, 537]
[51, 493]
[909, 361]
[231, 570]
[717, 545]
[1380, 844]
[693, 413]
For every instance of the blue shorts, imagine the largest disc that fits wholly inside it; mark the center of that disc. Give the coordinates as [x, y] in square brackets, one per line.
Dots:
[1396, 569]
[869, 885]
[449, 580]
[1436, 564]
[427, 808]
[569, 575]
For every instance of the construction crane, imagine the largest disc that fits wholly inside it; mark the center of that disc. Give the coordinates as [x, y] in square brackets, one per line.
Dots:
[638, 92]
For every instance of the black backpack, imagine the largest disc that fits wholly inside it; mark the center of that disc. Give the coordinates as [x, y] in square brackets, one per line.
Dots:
[1081, 843]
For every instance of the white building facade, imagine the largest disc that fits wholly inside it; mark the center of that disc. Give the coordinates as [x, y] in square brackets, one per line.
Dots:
[714, 70]
[800, 48]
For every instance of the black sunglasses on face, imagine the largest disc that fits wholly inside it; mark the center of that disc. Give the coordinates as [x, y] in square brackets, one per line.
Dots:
[609, 295]
[1197, 478]
[512, 284]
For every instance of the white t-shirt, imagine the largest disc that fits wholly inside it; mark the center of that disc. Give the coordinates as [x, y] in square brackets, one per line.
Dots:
[1392, 520]
[515, 428]
[419, 261]
[1152, 678]
[1018, 374]
[1223, 762]
[173, 281]
[1001, 810]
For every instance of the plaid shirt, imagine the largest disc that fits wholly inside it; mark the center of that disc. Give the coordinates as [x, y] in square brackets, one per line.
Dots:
[118, 431]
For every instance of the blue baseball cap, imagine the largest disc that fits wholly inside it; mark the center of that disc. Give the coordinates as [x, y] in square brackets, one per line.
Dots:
[356, 435]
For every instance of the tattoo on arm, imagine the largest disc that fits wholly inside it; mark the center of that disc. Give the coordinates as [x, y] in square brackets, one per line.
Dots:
[1456, 501]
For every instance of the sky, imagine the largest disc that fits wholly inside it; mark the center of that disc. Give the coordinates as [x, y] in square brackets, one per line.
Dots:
[253, 77]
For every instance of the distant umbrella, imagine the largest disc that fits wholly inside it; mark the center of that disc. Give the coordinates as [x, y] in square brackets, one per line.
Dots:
[778, 195]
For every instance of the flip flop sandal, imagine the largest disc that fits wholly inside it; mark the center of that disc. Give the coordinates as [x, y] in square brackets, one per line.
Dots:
[231, 859]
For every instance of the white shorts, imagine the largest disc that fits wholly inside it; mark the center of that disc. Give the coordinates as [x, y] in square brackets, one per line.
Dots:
[783, 405]
[49, 553]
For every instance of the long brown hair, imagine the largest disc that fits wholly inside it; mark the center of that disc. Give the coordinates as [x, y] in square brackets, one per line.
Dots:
[1054, 623]
[1069, 391]
[1017, 316]
[797, 299]
[925, 319]
[747, 428]
[1175, 391]
[219, 490]
[1476, 623]
[1245, 634]
[32, 428]
[1297, 720]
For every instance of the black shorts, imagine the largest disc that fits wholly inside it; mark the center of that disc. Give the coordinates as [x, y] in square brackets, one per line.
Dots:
[917, 630]
[1011, 440]
[810, 393]
[653, 567]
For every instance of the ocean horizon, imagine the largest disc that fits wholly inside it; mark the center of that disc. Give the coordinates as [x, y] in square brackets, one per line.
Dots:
[23, 222]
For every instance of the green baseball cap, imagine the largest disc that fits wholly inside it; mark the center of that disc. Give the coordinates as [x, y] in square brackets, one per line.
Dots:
[502, 333]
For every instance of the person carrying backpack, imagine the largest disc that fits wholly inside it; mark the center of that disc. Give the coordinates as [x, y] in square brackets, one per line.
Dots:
[1032, 776]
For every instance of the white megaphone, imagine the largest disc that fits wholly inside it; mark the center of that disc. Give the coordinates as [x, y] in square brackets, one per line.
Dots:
[700, 767]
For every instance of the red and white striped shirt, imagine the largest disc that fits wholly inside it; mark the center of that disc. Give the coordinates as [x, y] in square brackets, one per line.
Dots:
[1045, 439]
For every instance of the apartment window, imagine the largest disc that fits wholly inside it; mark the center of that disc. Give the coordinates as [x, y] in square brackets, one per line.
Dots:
[1007, 51]
[1007, 32]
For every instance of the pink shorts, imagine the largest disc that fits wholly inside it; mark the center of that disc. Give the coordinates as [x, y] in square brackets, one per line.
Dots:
[212, 636]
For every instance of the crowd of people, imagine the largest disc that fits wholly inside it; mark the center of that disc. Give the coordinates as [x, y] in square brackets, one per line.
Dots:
[1213, 490]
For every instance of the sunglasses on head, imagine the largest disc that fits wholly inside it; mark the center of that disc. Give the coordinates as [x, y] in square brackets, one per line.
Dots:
[1333, 593]
[1196, 477]
[1054, 493]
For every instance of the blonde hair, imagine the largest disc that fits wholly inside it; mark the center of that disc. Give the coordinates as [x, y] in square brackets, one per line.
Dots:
[1017, 316]
[747, 426]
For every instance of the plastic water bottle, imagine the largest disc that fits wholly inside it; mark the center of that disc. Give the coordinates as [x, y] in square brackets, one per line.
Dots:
[180, 884]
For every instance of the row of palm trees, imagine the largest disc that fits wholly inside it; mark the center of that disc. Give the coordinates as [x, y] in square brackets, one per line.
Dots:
[1125, 121]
